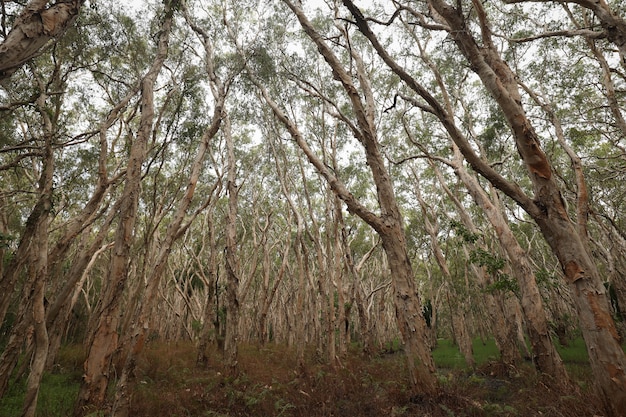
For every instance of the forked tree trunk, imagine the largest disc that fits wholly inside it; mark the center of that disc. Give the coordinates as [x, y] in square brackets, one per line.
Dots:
[59, 321]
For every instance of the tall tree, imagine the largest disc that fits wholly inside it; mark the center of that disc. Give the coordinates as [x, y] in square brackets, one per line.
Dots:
[102, 342]
[389, 224]
[546, 207]
[38, 262]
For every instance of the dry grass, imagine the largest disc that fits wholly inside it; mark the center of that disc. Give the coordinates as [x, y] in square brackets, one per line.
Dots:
[268, 384]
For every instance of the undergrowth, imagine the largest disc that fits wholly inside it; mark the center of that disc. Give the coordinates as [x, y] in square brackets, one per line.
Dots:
[269, 384]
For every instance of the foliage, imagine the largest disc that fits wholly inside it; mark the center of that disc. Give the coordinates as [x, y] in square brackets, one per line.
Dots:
[494, 265]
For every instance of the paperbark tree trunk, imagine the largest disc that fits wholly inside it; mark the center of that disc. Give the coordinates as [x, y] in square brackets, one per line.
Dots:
[22, 259]
[38, 271]
[232, 265]
[548, 210]
[141, 323]
[210, 318]
[546, 358]
[103, 338]
[38, 265]
[60, 308]
[39, 22]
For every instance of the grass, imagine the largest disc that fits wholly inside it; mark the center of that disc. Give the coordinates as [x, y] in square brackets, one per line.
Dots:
[574, 353]
[447, 355]
[57, 395]
[270, 385]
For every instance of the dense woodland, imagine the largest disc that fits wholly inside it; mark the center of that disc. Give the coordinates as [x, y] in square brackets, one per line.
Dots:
[327, 176]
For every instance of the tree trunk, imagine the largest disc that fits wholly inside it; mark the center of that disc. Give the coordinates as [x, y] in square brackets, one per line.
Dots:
[389, 224]
[103, 338]
[459, 328]
[141, 315]
[29, 251]
[232, 266]
[38, 364]
[210, 317]
[38, 266]
[546, 358]
[547, 207]
[38, 23]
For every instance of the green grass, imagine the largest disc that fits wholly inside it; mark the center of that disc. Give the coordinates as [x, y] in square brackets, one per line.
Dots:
[57, 395]
[447, 355]
[575, 353]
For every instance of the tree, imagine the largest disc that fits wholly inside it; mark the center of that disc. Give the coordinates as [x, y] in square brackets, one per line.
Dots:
[388, 224]
[547, 208]
[103, 340]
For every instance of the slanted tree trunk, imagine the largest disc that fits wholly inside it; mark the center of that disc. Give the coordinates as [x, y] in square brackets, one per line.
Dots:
[232, 265]
[60, 309]
[38, 270]
[141, 323]
[548, 210]
[389, 224]
[546, 358]
[503, 327]
[38, 266]
[103, 338]
[59, 320]
[39, 22]
[28, 246]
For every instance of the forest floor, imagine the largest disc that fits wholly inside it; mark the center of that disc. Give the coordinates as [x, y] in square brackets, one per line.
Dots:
[269, 385]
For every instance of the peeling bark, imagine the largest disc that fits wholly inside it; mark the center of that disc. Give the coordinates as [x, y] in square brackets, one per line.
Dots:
[39, 22]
